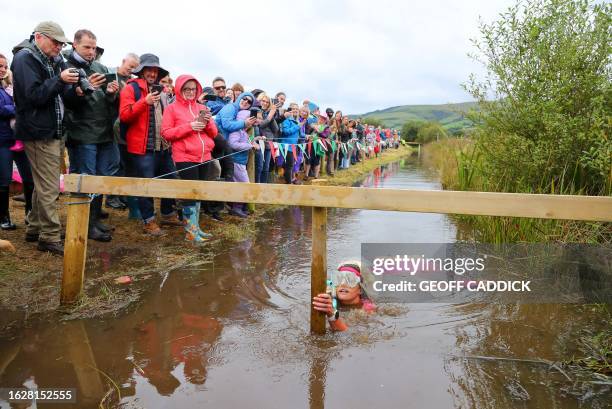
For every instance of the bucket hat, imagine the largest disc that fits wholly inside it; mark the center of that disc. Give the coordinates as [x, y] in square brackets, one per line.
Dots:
[150, 60]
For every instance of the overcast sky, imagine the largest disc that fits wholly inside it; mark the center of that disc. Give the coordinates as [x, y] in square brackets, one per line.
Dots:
[357, 56]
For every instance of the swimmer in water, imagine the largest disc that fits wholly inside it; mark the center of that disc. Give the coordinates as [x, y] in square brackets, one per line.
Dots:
[347, 288]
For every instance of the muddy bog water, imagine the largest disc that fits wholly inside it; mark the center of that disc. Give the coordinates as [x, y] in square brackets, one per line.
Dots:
[233, 331]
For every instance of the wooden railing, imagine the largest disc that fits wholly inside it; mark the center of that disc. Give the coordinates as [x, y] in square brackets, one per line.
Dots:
[590, 208]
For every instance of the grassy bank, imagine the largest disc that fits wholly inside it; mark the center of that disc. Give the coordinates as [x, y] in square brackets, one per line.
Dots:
[30, 280]
[460, 166]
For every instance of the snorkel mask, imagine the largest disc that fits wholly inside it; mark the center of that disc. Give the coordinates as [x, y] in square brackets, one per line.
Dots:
[348, 274]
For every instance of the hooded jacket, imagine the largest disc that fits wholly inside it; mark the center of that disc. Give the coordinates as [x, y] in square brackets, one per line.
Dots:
[136, 115]
[239, 141]
[187, 144]
[34, 93]
[290, 131]
[226, 118]
[89, 119]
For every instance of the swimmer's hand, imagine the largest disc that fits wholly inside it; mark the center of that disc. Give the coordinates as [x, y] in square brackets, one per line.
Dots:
[323, 303]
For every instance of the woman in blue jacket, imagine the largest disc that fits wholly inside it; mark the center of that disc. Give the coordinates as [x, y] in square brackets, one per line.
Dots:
[226, 118]
[290, 133]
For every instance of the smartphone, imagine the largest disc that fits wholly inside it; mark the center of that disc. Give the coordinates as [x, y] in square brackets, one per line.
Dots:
[254, 112]
[110, 77]
[157, 88]
[202, 114]
[210, 97]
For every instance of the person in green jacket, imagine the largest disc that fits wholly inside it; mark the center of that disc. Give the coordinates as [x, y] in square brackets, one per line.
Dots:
[89, 123]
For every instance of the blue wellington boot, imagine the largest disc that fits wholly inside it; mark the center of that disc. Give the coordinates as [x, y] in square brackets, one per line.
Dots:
[190, 218]
[201, 233]
[134, 212]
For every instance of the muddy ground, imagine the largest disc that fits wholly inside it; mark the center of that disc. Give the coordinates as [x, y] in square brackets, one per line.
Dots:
[30, 280]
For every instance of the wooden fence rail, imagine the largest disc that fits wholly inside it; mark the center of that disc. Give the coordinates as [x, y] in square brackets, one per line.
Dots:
[588, 208]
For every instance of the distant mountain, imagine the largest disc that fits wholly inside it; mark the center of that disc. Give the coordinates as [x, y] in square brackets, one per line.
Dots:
[451, 116]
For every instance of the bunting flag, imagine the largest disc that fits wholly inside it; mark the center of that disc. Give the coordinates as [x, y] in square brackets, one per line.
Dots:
[275, 149]
[283, 150]
[350, 145]
[333, 146]
[303, 148]
[359, 146]
[262, 146]
[322, 144]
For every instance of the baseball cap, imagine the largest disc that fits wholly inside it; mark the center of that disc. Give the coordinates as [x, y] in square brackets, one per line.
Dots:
[51, 29]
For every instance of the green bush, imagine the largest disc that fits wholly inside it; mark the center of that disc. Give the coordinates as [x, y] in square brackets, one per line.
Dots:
[410, 130]
[546, 98]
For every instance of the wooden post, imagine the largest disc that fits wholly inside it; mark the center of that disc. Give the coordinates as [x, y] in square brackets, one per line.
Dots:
[75, 250]
[318, 278]
[83, 360]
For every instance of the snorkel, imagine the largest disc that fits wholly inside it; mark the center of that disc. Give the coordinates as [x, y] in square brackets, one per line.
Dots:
[331, 290]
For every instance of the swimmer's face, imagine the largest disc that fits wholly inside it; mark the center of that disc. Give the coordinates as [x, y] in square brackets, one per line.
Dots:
[348, 295]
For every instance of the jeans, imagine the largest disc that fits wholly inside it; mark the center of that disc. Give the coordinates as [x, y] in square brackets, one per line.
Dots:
[259, 162]
[288, 166]
[100, 159]
[265, 171]
[7, 157]
[150, 165]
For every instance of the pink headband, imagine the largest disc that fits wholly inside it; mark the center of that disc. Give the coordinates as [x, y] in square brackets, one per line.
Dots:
[351, 269]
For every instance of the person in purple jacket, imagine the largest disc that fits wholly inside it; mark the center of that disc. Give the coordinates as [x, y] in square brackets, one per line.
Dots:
[11, 151]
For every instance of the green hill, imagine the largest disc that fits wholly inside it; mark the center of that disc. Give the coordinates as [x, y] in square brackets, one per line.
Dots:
[451, 116]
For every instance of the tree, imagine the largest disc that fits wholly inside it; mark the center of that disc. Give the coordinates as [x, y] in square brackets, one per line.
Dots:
[410, 130]
[430, 131]
[546, 97]
[375, 122]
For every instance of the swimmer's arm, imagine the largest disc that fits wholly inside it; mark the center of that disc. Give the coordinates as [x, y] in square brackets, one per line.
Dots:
[338, 325]
[323, 303]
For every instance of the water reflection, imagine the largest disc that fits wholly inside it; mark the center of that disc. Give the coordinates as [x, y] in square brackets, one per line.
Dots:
[234, 332]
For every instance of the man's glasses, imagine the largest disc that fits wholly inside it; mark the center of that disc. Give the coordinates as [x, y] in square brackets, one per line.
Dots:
[249, 100]
[55, 42]
[219, 88]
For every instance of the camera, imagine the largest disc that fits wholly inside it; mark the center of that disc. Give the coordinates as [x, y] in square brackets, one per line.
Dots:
[83, 82]
[157, 88]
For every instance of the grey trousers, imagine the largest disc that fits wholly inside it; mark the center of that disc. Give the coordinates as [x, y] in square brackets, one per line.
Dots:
[44, 157]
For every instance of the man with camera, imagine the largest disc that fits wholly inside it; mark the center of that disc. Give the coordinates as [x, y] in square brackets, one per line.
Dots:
[89, 122]
[149, 154]
[41, 81]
